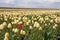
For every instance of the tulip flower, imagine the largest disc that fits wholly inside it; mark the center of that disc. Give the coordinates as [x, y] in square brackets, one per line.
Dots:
[20, 26]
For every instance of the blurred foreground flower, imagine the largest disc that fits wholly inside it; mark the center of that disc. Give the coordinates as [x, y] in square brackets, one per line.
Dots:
[6, 36]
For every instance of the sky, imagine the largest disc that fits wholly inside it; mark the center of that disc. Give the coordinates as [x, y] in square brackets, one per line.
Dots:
[30, 3]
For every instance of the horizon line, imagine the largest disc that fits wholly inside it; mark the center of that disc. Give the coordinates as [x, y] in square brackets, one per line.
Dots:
[29, 8]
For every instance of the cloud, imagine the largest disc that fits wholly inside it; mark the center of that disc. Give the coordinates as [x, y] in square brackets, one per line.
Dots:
[47, 0]
[35, 3]
[53, 0]
[7, 1]
[26, 1]
[29, 3]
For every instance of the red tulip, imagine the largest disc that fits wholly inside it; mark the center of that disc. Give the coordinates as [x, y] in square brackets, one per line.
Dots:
[20, 26]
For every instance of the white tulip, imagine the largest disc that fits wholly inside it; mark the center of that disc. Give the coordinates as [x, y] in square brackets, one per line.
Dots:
[9, 25]
[12, 22]
[32, 21]
[4, 23]
[40, 28]
[17, 21]
[12, 18]
[6, 34]
[24, 19]
[6, 38]
[46, 18]
[35, 19]
[27, 23]
[19, 18]
[53, 16]
[57, 20]
[20, 22]
[22, 32]
[15, 30]
[5, 19]
[51, 21]
[36, 24]
[32, 17]
[30, 27]
[1, 27]
[41, 19]
[45, 24]
[54, 27]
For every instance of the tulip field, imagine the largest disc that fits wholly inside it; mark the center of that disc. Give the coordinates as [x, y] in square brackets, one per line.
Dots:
[28, 24]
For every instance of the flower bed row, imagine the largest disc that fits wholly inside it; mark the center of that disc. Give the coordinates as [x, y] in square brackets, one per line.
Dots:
[29, 27]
